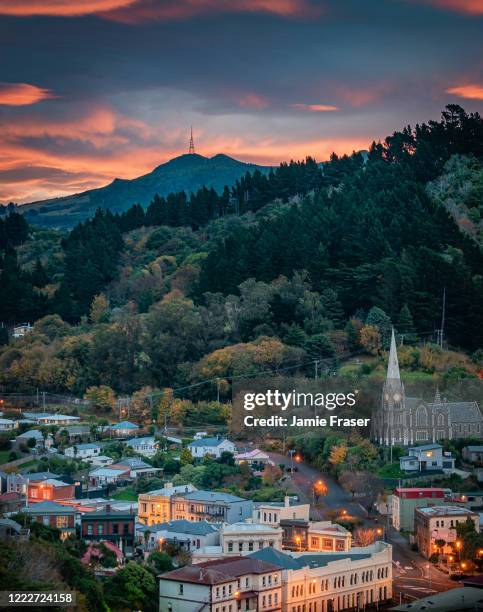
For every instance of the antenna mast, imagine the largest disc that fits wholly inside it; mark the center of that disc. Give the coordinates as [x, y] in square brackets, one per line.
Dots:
[192, 143]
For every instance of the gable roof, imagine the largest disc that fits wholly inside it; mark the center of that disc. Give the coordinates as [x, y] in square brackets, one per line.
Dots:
[285, 561]
[219, 571]
[214, 442]
[139, 441]
[214, 496]
[124, 425]
[188, 527]
[49, 506]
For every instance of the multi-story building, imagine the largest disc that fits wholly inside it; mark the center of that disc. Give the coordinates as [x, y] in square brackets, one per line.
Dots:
[55, 515]
[315, 582]
[238, 583]
[435, 528]
[50, 489]
[406, 499]
[155, 506]
[211, 506]
[315, 536]
[83, 451]
[116, 526]
[271, 513]
[243, 538]
[211, 447]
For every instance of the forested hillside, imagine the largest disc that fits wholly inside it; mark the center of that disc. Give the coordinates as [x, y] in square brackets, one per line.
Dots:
[304, 263]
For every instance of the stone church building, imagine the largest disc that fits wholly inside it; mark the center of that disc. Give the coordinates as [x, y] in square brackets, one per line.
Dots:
[403, 421]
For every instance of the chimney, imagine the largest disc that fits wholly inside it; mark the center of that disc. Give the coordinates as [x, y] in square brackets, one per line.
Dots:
[286, 501]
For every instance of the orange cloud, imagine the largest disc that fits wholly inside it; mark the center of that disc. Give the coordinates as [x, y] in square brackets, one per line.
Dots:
[252, 100]
[146, 10]
[470, 92]
[469, 7]
[61, 8]
[22, 94]
[315, 108]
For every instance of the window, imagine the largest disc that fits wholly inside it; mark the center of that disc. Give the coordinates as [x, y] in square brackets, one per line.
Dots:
[250, 545]
[115, 529]
[230, 546]
[90, 529]
[46, 520]
[240, 546]
[100, 529]
[181, 589]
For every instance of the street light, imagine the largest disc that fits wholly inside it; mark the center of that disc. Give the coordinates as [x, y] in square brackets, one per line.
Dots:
[299, 543]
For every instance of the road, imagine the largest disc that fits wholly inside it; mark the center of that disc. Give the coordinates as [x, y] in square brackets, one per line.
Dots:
[412, 578]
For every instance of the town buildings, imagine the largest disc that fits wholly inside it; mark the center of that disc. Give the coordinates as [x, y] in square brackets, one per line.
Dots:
[238, 583]
[328, 583]
[435, 528]
[146, 446]
[406, 420]
[473, 454]
[136, 467]
[211, 506]
[155, 506]
[406, 500]
[186, 534]
[211, 447]
[316, 536]
[254, 458]
[271, 513]
[124, 429]
[7, 425]
[116, 526]
[83, 451]
[427, 458]
[54, 515]
[50, 489]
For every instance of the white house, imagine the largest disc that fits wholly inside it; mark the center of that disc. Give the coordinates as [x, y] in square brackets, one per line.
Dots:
[253, 457]
[36, 434]
[146, 446]
[107, 475]
[83, 451]
[55, 419]
[137, 467]
[7, 424]
[200, 434]
[427, 457]
[19, 331]
[100, 460]
[213, 447]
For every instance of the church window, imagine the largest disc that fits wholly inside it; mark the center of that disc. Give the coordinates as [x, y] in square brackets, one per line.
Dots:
[421, 416]
[440, 419]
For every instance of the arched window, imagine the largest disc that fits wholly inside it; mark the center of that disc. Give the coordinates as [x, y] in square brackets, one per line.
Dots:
[440, 418]
[421, 416]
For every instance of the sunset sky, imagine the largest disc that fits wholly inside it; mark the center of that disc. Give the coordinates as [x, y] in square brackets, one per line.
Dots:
[91, 90]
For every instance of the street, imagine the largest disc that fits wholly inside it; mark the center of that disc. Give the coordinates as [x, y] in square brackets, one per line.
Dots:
[413, 576]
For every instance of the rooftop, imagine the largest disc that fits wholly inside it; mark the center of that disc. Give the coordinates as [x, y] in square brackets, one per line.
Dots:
[212, 496]
[168, 491]
[133, 463]
[142, 440]
[110, 511]
[426, 447]
[125, 425]
[33, 476]
[249, 527]
[475, 449]
[285, 561]
[208, 442]
[220, 571]
[446, 511]
[31, 433]
[465, 598]
[188, 527]
[48, 506]
[85, 446]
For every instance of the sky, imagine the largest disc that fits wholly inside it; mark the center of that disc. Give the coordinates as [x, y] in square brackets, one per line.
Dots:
[91, 90]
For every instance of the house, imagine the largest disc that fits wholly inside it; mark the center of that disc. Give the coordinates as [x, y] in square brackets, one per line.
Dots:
[315, 536]
[123, 429]
[146, 446]
[318, 582]
[211, 506]
[238, 583]
[137, 467]
[435, 528]
[12, 502]
[108, 524]
[10, 529]
[185, 534]
[406, 499]
[82, 451]
[21, 330]
[470, 499]
[473, 454]
[427, 457]
[255, 458]
[108, 475]
[271, 513]
[213, 447]
[7, 425]
[155, 506]
[100, 460]
[56, 419]
[50, 489]
[17, 483]
[54, 515]
[36, 434]
[77, 432]
[200, 434]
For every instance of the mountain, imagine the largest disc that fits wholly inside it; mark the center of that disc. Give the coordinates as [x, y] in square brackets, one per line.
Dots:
[186, 172]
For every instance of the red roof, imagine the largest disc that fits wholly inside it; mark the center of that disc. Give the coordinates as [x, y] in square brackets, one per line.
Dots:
[419, 492]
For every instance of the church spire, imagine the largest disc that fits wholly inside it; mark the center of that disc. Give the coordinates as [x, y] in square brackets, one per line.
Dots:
[393, 364]
[437, 397]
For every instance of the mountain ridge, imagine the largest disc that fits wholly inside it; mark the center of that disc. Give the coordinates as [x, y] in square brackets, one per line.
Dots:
[188, 172]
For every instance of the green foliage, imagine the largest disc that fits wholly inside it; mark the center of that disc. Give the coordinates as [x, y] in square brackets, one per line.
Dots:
[132, 588]
[160, 561]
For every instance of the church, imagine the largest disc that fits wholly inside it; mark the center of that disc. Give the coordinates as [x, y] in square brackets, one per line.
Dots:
[403, 421]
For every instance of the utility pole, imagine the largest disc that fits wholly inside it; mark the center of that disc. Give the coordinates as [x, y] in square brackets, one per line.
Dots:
[316, 366]
[443, 315]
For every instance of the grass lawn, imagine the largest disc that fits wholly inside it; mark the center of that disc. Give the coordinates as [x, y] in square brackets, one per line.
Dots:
[29, 464]
[126, 494]
[4, 456]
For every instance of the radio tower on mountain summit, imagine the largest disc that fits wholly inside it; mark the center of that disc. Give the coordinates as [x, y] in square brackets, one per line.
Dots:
[192, 143]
